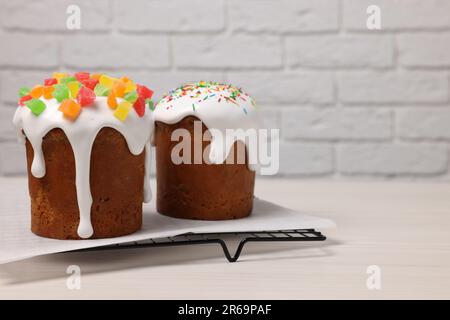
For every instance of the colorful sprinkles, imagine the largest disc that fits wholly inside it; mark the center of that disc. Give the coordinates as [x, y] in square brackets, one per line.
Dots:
[74, 92]
[210, 90]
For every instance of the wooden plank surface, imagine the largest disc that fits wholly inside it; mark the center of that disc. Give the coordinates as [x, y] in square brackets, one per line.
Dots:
[402, 227]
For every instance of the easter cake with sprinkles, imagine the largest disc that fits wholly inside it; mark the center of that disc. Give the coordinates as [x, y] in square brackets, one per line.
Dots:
[87, 139]
[215, 185]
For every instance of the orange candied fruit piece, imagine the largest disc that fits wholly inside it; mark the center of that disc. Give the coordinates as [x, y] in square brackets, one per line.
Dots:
[96, 76]
[119, 89]
[125, 79]
[37, 92]
[112, 102]
[70, 109]
[48, 92]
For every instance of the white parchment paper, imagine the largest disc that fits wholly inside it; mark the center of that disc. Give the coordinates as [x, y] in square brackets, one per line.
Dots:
[17, 242]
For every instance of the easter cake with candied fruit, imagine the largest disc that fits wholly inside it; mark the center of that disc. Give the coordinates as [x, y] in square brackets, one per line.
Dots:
[87, 147]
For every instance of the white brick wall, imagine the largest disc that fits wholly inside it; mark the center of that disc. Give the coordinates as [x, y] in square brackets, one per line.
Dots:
[49, 15]
[398, 15]
[28, 51]
[219, 51]
[393, 87]
[104, 51]
[424, 50]
[352, 51]
[283, 16]
[393, 159]
[350, 102]
[307, 159]
[336, 124]
[279, 88]
[423, 123]
[170, 16]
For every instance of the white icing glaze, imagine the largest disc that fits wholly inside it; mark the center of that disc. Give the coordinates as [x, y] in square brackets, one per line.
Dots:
[81, 134]
[211, 104]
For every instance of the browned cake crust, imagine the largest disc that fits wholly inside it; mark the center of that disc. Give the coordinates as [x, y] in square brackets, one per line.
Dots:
[116, 179]
[199, 191]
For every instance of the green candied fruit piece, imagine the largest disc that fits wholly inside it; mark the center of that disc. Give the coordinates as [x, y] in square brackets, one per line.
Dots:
[131, 96]
[24, 91]
[150, 104]
[101, 90]
[61, 92]
[67, 80]
[36, 106]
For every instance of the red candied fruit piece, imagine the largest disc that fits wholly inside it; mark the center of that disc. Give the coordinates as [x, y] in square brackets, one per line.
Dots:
[24, 98]
[89, 83]
[50, 81]
[80, 76]
[139, 106]
[144, 92]
[85, 96]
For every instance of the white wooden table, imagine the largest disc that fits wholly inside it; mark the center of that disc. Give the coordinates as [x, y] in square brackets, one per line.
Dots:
[404, 228]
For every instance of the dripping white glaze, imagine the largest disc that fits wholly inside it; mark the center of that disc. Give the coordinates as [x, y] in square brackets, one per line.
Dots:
[81, 134]
[218, 114]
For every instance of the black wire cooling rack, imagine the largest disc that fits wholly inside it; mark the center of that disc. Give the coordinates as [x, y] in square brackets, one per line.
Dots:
[298, 235]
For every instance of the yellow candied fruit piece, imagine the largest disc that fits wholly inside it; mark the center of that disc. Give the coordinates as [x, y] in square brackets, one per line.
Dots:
[122, 110]
[70, 109]
[48, 92]
[37, 92]
[73, 88]
[60, 75]
[130, 86]
[107, 81]
[112, 102]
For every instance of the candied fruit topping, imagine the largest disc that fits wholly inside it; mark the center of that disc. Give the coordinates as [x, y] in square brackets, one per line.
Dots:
[122, 110]
[48, 92]
[119, 89]
[61, 92]
[24, 91]
[107, 81]
[79, 90]
[101, 90]
[130, 86]
[82, 76]
[112, 101]
[36, 106]
[131, 96]
[144, 92]
[23, 99]
[73, 88]
[37, 92]
[139, 106]
[89, 83]
[70, 109]
[50, 81]
[59, 75]
[85, 96]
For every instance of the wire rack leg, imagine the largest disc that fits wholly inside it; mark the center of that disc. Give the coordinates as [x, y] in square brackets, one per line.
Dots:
[226, 251]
